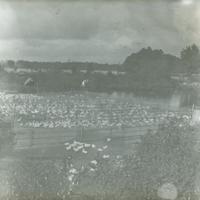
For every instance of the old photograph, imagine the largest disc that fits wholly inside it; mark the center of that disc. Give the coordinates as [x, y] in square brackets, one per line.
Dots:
[99, 100]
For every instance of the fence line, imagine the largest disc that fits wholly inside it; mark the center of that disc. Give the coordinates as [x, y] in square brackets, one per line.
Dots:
[94, 135]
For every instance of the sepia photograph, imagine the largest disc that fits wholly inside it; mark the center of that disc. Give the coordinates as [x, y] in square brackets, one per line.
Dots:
[99, 99]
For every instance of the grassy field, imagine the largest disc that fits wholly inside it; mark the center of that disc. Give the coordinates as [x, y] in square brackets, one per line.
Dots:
[67, 142]
[84, 110]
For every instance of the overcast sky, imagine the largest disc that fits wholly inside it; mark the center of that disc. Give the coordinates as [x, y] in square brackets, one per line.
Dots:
[104, 32]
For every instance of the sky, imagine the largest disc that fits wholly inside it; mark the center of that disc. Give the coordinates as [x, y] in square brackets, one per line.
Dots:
[95, 31]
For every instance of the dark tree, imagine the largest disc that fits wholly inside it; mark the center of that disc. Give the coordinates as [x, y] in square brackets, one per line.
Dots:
[190, 56]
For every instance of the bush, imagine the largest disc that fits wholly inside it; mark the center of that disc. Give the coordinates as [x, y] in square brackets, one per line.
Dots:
[167, 156]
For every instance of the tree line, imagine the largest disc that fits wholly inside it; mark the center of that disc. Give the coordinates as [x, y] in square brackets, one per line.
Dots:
[147, 72]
